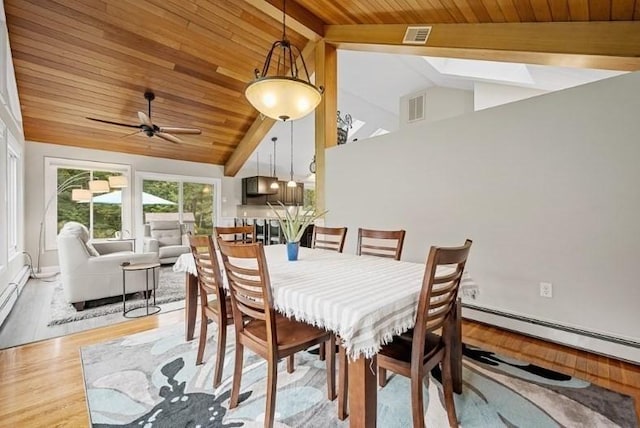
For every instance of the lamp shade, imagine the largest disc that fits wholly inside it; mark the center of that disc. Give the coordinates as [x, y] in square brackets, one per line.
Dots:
[99, 186]
[291, 183]
[283, 97]
[118, 182]
[80, 195]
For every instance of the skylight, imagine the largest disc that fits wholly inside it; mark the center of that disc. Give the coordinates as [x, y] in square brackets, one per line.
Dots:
[379, 131]
[485, 70]
[355, 127]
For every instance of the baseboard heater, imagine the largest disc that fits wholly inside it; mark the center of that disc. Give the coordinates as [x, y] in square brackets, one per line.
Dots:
[573, 330]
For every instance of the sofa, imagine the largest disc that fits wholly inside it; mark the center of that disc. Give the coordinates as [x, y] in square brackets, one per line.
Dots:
[92, 270]
[167, 239]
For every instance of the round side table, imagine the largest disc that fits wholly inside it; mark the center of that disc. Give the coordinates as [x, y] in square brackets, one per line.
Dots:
[136, 267]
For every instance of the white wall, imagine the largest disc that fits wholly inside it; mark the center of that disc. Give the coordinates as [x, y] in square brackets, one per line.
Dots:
[36, 152]
[491, 95]
[11, 265]
[440, 103]
[547, 188]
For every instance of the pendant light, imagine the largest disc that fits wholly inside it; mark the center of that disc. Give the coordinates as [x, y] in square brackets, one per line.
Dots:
[291, 182]
[283, 96]
[274, 184]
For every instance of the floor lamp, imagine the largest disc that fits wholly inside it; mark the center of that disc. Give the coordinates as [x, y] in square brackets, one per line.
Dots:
[78, 194]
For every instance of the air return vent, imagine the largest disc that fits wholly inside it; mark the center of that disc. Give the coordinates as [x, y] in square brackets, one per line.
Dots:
[416, 108]
[416, 35]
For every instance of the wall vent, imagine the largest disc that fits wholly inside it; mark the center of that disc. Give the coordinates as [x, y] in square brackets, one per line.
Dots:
[416, 108]
[416, 35]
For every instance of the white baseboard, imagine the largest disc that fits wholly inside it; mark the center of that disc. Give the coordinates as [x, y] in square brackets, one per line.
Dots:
[10, 295]
[593, 342]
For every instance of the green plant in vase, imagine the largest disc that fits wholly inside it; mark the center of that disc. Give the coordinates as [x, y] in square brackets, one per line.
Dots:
[294, 224]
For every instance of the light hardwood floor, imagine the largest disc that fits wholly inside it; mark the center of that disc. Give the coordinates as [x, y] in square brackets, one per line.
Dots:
[28, 320]
[41, 383]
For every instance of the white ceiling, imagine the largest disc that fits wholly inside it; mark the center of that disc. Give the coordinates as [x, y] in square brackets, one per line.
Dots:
[371, 84]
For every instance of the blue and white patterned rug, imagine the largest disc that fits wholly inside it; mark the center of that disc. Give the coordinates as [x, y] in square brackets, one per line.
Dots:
[150, 380]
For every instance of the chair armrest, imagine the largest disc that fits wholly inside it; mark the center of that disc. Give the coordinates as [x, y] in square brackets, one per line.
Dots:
[110, 262]
[185, 239]
[108, 247]
[151, 245]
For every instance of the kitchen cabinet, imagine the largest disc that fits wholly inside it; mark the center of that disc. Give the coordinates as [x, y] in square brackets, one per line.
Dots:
[287, 195]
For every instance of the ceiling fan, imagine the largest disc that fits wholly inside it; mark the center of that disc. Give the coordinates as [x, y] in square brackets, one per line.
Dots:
[149, 128]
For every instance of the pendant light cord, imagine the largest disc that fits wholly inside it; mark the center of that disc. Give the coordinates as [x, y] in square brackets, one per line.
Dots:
[284, 16]
[292, 150]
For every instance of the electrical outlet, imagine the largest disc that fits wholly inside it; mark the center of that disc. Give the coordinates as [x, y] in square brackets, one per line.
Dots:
[546, 289]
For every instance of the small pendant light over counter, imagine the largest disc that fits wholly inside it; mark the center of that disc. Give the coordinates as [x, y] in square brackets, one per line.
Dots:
[291, 182]
[274, 184]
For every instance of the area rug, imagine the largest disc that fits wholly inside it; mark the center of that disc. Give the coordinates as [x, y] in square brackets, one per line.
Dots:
[171, 288]
[150, 380]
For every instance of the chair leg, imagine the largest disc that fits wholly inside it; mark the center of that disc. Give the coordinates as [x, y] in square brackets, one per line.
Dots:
[447, 386]
[330, 346]
[202, 340]
[322, 354]
[290, 363]
[222, 346]
[343, 384]
[272, 379]
[237, 376]
[382, 377]
[417, 406]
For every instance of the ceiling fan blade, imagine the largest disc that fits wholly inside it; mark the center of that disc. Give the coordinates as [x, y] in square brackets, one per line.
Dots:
[133, 133]
[145, 119]
[113, 123]
[175, 130]
[168, 137]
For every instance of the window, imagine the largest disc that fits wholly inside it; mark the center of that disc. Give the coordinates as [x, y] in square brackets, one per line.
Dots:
[104, 214]
[13, 181]
[189, 200]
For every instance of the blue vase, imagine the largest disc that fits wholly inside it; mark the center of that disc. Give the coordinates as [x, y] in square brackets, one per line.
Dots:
[292, 250]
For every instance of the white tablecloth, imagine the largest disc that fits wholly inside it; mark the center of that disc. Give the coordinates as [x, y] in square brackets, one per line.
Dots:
[365, 300]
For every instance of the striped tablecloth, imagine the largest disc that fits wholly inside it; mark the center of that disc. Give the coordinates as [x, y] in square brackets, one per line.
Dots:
[365, 300]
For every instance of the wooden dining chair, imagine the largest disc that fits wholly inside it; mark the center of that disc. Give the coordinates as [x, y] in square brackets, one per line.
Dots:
[236, 234]
[416, 352]
[217, 308]
[380, 243]
[258, 326]
[329, 238]
[371, 242]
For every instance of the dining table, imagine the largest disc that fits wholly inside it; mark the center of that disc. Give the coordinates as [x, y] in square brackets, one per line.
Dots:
[364, 300]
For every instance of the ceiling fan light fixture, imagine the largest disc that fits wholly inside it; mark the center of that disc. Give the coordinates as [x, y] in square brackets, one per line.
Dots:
[285, 95]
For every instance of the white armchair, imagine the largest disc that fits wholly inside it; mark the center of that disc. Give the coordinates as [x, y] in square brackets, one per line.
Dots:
[92, 271]
[167, 239]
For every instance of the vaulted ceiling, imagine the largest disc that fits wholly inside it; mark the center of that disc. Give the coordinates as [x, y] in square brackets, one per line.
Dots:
[95, 58]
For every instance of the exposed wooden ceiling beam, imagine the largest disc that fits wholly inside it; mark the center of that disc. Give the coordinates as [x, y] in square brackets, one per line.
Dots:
[261, 125]
[611, 45]
[299, 19]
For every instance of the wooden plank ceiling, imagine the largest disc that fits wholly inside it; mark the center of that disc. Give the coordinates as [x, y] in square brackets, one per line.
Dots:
[79, 58]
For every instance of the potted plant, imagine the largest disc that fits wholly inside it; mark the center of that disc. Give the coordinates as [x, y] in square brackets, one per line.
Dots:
[293, 226]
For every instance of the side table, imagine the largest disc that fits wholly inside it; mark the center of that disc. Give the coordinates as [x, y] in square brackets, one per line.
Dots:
[137, 267]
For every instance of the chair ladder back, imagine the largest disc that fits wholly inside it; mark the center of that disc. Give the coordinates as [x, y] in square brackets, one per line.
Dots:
[248, 279]
[372, 243]
[237, 234]
[206, 261]
[440, 290]
[329, 238]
